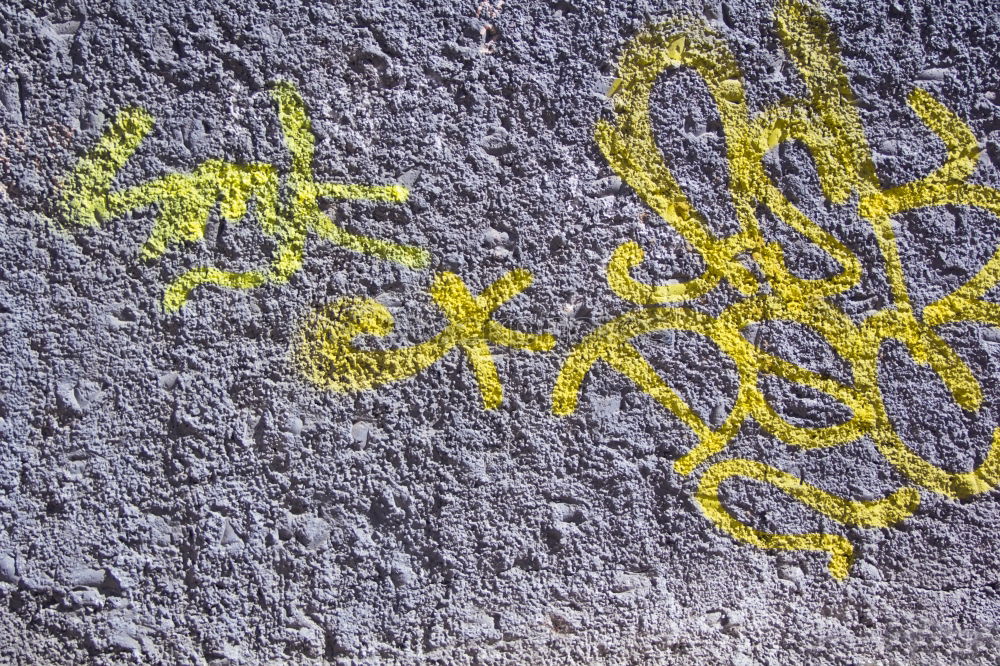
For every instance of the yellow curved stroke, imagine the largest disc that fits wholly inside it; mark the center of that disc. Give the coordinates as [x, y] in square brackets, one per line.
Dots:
[874, 513]
[86, 191]
[628, 256]
[612, 344]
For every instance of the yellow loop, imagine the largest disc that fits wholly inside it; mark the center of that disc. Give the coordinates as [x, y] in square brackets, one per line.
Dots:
[628, 256]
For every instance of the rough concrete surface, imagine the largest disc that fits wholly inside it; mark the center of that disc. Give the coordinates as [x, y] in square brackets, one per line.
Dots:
[173, 489]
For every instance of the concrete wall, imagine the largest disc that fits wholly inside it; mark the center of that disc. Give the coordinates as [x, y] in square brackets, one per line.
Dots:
[552, 331]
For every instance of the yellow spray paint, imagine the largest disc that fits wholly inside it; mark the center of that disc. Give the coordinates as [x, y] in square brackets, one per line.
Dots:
[827, 123]
[824, 120]
[328, 357]
[184, 201]
[288, 211]
[873, 513]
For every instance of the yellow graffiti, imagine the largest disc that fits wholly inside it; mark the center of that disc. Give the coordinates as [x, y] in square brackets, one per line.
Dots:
[286, 211]
[874, 513]
[327, 356]
[827, 123]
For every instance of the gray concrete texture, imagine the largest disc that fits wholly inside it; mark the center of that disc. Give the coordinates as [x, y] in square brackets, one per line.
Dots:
[172, 490]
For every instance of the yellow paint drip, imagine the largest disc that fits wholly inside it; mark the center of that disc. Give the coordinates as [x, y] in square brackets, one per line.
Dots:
[827, 123]
[287, 210]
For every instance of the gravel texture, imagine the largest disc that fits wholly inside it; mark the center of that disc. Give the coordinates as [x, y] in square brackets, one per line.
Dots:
[173, 489]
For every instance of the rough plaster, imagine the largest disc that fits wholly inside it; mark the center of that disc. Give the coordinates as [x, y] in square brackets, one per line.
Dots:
[174, 490]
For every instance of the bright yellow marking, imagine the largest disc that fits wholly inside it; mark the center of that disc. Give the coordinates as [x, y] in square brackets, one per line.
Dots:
[628, 256]
[185, 202]
[611, 343]
[328, 357]
[875, 513]
[827, 123]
